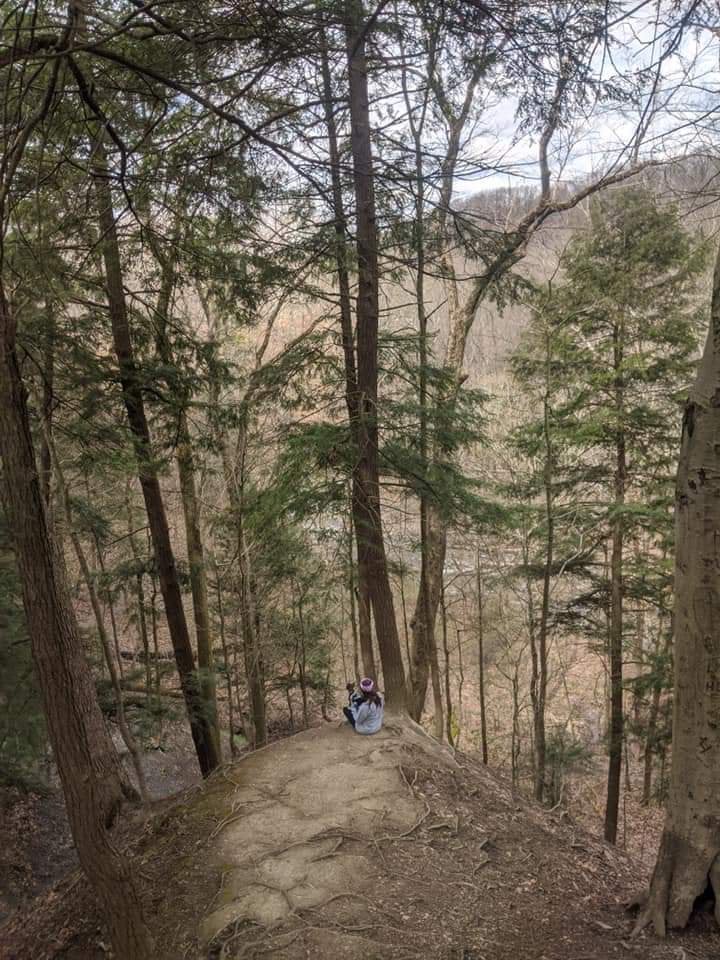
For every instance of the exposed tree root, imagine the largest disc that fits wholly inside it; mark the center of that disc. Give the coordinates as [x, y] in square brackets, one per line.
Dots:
[681, 876]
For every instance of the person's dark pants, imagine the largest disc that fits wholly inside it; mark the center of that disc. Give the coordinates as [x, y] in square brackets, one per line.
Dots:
[350, 718]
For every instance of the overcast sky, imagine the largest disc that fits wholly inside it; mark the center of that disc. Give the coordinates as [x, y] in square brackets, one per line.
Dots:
[684, 116]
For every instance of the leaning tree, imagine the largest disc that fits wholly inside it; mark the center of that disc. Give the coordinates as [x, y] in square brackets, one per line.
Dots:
[689, 855]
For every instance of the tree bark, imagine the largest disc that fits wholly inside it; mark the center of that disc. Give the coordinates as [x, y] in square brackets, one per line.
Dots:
[690, 846]
[446, 653]
[352, 400]
[108, 599]
[48, 403]
[302, 659]
[617, 721]
[481, 666]
[252, 652]
[369, 530]
[191, 508]
[653, 718]
[234, 477]
[198, 579]
[353, 616]
[202, 732]
[139, 594]
[87, 763]
[427, 616]
[254, 667]
[540, 681]
[226, 662]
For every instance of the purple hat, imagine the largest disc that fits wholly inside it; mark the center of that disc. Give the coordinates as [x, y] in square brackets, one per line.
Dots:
[367, 685]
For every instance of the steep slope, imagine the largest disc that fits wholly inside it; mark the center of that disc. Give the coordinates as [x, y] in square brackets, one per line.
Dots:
[334, 846]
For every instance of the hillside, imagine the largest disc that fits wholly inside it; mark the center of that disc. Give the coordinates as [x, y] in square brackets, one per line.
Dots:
[331, 845]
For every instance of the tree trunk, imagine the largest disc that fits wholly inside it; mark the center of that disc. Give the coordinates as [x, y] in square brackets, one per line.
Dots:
[252, 653]
[302, 661]
[403, 604]
[461, 686]
[426, 615]
[438, 717]
[191, 510]
[542, 653]
[254, 668]
[481, 666]
[615, 744]
[690, 846]
[226, 663]
[87, 763]
[351, 595]
[109, 601]
[369, 530]
[515, 737]
[352, 398]
[48, 403]
[367, 654]
[652, 724]
[428, 600]
[446, 653]
[202, 732]
[154, 632]
[139, 594]
[434, 535]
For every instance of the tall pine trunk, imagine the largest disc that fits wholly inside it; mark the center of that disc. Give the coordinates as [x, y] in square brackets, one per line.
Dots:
[198, 577]
[190, 504]
[87, 763]
[689, 855]
[540, 677]
[234, 477]
[481, 664]
[254, 665]
[446, 654]
[364, 623]
[366, 494]
[48, 403]
[353, 614]
[206, 745]
[616, 734]
[252, 652]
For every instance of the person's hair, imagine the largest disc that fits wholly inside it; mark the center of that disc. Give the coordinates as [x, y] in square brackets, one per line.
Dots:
[373, 697]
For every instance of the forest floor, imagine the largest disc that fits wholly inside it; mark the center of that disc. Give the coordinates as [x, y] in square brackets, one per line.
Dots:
[336, 846]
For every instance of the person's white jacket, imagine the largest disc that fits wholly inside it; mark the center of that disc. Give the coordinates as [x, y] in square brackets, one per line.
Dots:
[368, 716]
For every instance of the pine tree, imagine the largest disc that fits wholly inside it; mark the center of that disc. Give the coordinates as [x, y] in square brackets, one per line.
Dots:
[621, 331]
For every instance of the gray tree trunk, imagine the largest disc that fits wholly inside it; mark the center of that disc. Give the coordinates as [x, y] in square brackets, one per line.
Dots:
[690, 845]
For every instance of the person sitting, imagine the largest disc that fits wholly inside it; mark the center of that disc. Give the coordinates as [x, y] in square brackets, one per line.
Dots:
[365, 707]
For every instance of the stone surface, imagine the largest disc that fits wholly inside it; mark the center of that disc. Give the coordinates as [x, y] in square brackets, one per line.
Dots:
[280, 842]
